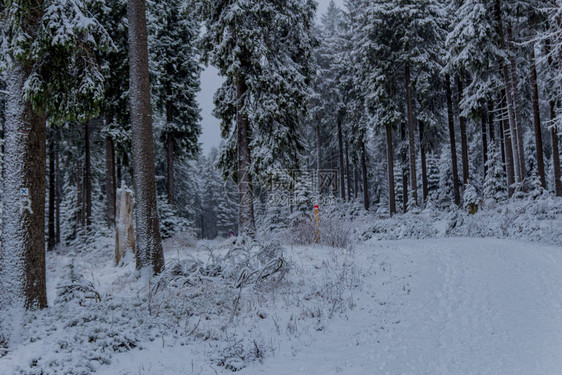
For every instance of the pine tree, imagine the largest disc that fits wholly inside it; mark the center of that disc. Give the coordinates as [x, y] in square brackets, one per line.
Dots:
[115, 68]
[495, 184]
[263, 49]
[48, 65]
[353, 71]
[330, 111]
[446, 187]
[372, 54]
[176, 70]
[432, 174]
[326, 98]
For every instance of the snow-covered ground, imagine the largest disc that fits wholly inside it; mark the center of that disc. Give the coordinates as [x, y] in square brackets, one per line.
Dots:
[447, 306]
[441, 306]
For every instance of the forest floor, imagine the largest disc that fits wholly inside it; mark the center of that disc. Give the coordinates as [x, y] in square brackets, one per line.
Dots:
[433, 306]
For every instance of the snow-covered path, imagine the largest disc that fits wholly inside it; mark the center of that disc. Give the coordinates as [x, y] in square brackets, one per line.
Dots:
[448, 306]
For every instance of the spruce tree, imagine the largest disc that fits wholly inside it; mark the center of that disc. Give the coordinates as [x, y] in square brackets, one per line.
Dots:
[495, 184]
[175, 71]
[263, 49]
[115, 68]
[49, 68]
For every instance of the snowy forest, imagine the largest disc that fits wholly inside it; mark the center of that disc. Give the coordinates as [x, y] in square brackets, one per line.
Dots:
[385, 196]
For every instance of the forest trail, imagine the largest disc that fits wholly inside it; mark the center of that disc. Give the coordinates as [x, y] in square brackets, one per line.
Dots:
[447, 306]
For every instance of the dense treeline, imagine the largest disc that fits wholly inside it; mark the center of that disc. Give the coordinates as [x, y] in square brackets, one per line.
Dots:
[456, 100]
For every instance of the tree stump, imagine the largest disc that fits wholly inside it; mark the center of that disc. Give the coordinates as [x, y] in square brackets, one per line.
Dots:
[124, 228]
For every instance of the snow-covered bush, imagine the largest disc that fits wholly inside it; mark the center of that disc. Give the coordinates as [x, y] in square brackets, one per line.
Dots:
[528, 219]
[536, 189]
[471, 199]
[170, 222]
[235, 265]
[334, 227]
[75, 287]
[302, 229]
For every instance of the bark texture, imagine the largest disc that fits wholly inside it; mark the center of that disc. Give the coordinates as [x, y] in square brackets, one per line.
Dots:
[484, 123]
[148, 241]
[87, 175]
[508, 150]
[170, 166]
[411, 137]
[405, 194]
[246, 223]
[555, 153]
[22, 255]
[347, 170]
[554, 133]
[537, 120]
[366, 201]
[464, 139]
[51, 240]
[517, 109]
[340, 157]
[456, 191]
[425, 188]
[58, 187]
[390, 163]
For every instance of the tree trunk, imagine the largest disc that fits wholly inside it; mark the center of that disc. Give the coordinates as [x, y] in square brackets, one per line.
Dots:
[110, 183]
[318, 157]
[512, 128]
[118, 171]
[502, 139]
[411, 136]
[464, 140]
[510, 103]
[404, 169]
[390, 166]
[51, 240]
[124, 230]
[246, 223]
[537, 120]
[2, 146]
[87, 176]
[340, 157]
[170, 165]
[22, 258]
[491, 122]
[366, 201]
[58, 190]
[405, 194]
[79, 197]
[555, 153]
[355, 182]
[484, 120]
[456, 190]
[517, 108]
[149, 242]
[347, 170]
[554, 134]
[423, 161]
[509, 162]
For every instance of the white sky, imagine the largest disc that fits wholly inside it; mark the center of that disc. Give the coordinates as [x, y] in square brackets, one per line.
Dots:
[210, 82]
